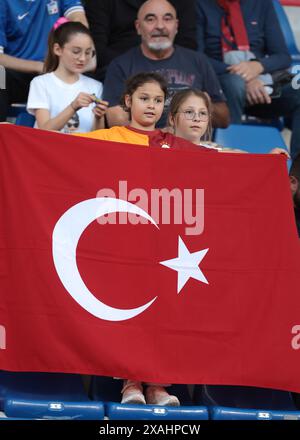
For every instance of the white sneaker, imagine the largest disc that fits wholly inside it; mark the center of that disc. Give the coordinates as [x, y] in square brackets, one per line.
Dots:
[156, 395]
[133, 393]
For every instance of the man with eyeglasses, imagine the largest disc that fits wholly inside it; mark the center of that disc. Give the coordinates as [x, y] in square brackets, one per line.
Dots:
[183, 68]
[24, 29]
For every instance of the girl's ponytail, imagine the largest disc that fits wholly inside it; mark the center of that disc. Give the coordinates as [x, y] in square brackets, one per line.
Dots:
[61, 34]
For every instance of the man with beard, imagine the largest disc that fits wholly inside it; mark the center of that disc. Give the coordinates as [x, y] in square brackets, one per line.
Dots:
[295, 188]
[112, 27]
[182, 68]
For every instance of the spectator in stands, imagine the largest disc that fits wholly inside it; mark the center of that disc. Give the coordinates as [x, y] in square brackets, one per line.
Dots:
[24, 29]
[112, 26]
[63, 98]
[295, 188]
[157, 25]
[143, 100]
[190, 117]
[246, 47]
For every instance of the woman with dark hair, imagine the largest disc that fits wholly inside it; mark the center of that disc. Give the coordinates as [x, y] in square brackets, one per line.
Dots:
[63, 93]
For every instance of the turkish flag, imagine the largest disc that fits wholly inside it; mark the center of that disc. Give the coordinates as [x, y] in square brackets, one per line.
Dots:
[160, 265]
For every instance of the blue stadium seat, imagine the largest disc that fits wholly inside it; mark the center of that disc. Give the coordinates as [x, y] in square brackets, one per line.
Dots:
[246, 403]
[46, 396]
[26, 119]
[18, 114]
[15, 109]
[108, 390]
[287, 32]
[251, 138]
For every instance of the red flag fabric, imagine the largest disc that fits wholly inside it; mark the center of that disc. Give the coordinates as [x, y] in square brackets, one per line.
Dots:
[234, 32]
[156, 297]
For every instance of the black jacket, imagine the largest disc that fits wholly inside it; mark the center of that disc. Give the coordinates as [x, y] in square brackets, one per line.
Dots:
[112, 26]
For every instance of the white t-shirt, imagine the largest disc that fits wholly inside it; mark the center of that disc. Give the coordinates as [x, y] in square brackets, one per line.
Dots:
[51, 93]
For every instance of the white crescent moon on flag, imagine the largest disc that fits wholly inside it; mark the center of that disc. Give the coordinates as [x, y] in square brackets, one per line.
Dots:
[65, 238]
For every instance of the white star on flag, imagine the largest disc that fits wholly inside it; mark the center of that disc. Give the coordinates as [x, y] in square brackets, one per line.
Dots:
[186, 264]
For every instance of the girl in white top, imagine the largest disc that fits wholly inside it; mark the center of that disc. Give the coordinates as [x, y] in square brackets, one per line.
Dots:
[63, 99]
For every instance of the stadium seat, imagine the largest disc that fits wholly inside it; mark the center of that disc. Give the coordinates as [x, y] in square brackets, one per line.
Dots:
[246, 403]
[15, 109]
[17, 114]
[251, 138]
[46, 396]
[292, 10]
[287, 32]
[108, 390]
[25, 119]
